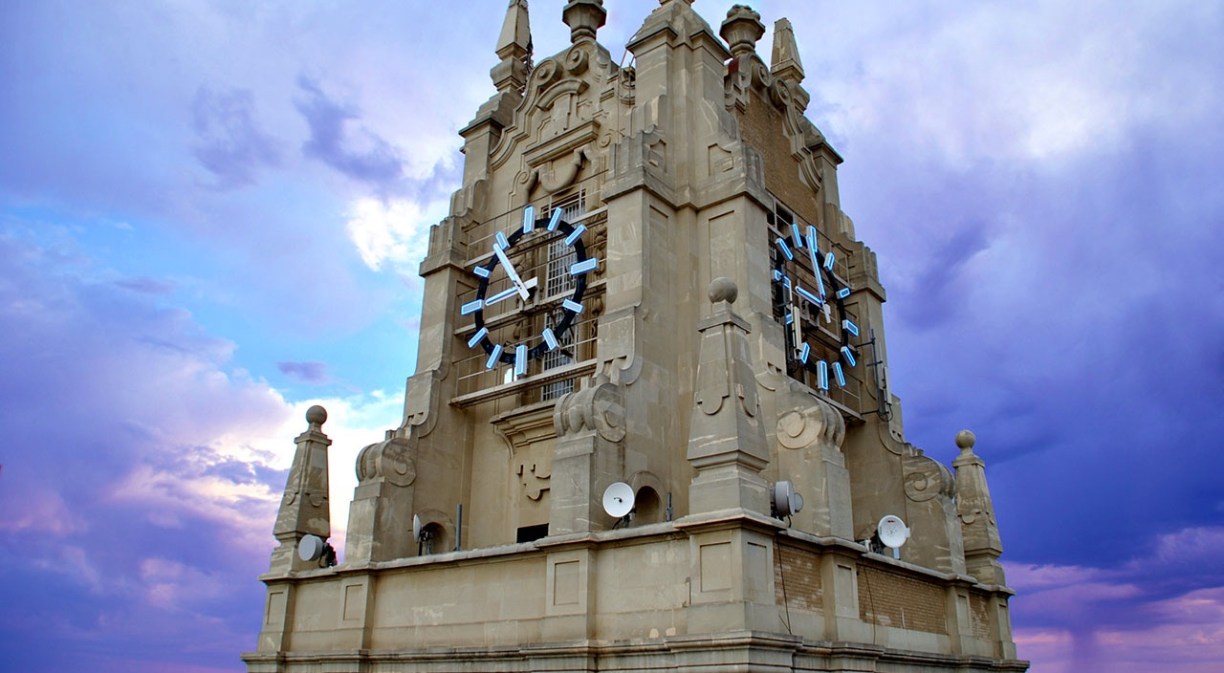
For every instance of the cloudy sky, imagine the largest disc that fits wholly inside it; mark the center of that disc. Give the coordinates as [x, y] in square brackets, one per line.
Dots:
[211, 214]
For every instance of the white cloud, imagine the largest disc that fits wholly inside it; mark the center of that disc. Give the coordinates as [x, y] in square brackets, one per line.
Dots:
[395, 231]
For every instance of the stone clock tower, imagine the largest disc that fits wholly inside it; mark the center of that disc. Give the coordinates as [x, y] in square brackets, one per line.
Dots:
[646, 279]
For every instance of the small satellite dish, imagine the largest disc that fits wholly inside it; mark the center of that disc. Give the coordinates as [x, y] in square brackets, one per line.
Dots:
[311, 548]
[416, 527]
[785, 500]
[618, 500]
[893, 533]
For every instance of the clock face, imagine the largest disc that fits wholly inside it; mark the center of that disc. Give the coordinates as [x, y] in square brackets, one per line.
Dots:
[820, 334]
[508, 277]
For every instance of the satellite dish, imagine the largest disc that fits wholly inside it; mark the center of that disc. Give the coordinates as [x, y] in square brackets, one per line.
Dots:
[416, 527]
[618, 500]
[893, 533]
[785, 500]
[311, 548]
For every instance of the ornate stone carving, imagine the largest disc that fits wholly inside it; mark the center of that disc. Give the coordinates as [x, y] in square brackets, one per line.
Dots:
[533, 474]
[392, 460]
[599, 408]
[804, 426]
[926, 478]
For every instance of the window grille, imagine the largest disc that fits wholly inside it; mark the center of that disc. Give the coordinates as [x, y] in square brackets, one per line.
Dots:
[558, 280]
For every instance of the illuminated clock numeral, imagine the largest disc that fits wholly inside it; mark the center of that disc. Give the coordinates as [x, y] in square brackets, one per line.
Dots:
[584, 266]
[777, 275]
[528, 219]
[843, 293]
[494, 357]
[502, 241]
[520, 360]
[848, 356]
[822, 375]
[786, 283]
[850, 327]
[805, 353]
[829, 260]
[790, 318]
[572, 306]
[478, 337]
[471, 307]
[555, 219]
[550, 339]
[575, 234]
[482, 272]
[839, 375]
[790, 256]
[796, 236]
[808, 295]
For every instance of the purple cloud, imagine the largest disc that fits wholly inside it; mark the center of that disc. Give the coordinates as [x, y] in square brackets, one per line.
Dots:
[308, 372]
[229, 142]
[360, 154]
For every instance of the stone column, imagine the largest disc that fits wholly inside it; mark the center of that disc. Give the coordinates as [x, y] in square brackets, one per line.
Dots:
[589, 456]
[810, 433]
[305, 509]
[380, 517]
[726, 443]
[976, 511]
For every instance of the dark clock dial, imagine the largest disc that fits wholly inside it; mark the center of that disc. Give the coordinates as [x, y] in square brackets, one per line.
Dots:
[820, 334]
[501, 271]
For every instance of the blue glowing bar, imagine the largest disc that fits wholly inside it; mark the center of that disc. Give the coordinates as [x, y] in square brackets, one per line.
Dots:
[777, 275]
[550, 339]
[843, 293]
[502, 241]
[575, 234]
[478, 336]
[470, 307]
[848, 356]
[520, 360]
[841, 377]
[572, 306]
[555, 220]
[481, 271]
[501, 295]
[528, 219]
[829, 260]
[790, 318]
[808, 295]
[583, 266]
[850, 327]
[796, 236]
[819, 282]
[790, 256]
[804, 353]
[494, 357]
[822, 375]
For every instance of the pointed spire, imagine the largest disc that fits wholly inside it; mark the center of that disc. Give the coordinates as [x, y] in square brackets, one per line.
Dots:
[785, 61]
[983, 545]
[513, 48]
[584, 17]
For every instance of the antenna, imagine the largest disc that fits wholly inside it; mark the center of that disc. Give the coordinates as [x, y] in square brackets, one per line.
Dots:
[311, 548]
[423, 537]
[786, 501]
[618, 500]
[893, 533]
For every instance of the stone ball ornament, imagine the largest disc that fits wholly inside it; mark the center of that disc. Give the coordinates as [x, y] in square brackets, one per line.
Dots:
[316, 415]
[723, 289]
[965, 440]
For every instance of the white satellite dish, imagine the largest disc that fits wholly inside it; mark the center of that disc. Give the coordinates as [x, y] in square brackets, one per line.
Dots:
[416, 527]
[311, 548]
[618, 500]
[786, 501]
[893, 533]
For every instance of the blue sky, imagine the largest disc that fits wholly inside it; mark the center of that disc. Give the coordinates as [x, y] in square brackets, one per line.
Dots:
[211, 215]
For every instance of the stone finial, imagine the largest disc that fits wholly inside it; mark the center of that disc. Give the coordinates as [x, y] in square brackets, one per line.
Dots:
[785, 63]
[742, 29]
[305, 507]
[584, 18]
[983, 546]
[723, 289]
[513, 48]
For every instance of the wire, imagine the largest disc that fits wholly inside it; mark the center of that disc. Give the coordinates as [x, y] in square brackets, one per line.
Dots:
[782, 577]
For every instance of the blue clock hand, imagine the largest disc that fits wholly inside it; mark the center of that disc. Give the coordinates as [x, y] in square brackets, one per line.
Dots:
[504, 294]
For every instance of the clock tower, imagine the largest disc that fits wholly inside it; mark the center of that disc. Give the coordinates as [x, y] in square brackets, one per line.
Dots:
[651, 424]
